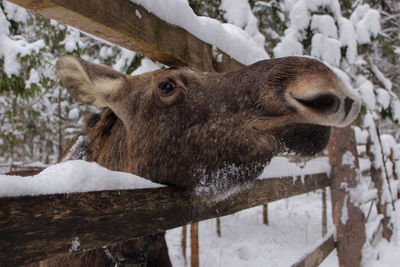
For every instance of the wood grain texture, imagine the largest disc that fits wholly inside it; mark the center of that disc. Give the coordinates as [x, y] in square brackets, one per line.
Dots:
[116, 21]
[37, 228]
[347, 215]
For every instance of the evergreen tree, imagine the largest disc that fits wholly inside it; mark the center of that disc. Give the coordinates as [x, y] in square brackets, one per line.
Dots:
[38, 116]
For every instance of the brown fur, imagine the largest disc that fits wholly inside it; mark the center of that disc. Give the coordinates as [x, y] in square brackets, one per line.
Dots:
[215, 130]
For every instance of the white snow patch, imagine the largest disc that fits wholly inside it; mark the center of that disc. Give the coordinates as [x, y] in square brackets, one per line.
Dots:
[348, 38]
[123, 58]
[367, 23]
[283, 167]
[381, 77]
[348, 159]
[147, 66]
[69, 177]
[75, 245]
[326, 49]
[12, 48]
[382, 98]
[325, 25]
[137, 13]
[361, 135]
[239, 13]
[15, 12]
[345, 214]
[366, 90]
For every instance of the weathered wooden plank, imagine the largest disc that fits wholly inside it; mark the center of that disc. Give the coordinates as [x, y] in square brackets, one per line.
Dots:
[117, 22]
[347, 215]
[315, 257]
[37, 228]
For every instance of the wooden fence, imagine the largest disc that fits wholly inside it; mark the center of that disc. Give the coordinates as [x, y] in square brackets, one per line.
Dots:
[37, 228]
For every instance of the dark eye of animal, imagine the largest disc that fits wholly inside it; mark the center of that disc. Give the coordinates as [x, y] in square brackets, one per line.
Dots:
[167, 88]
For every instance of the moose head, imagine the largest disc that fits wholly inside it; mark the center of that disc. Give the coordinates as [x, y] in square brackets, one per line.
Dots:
[207, 132]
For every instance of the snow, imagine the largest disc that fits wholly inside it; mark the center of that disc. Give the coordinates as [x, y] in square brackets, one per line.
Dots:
[71, 176]
[14, 12]
[361, 135]
[366, 91]
[325, 48]
[75, 245]
[367, 23]
[231, 39]
[348, 38]
[147, 66]
[345, 214]
[137, 13]
[294, 229]
[123, 58]
[10, 49]
[348, 159]
[325, 25]
[382, 98]
[313, 166]
[395, 108]
[381, 77]
[238, 12]
[295, 223]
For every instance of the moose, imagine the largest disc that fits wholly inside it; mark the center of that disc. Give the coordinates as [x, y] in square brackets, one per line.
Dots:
[208, 134]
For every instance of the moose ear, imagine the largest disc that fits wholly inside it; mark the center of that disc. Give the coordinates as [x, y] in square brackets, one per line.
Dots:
[90, 83]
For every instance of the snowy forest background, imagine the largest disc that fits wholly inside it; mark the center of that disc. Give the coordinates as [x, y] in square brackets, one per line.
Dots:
[359, 39]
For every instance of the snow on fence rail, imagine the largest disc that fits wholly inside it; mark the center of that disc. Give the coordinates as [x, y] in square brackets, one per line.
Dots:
[37, 228]
[44, 226]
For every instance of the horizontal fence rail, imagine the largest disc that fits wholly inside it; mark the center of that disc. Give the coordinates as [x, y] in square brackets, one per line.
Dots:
[46, 226]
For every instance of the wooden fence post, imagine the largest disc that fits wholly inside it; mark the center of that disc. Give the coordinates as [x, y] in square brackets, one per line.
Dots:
[265, 214]
[218, 224]
[324, 214]
[194, 245]
[183, 242]
[347, 216]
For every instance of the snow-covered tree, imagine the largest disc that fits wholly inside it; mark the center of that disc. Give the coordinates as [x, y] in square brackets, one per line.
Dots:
[38, 116]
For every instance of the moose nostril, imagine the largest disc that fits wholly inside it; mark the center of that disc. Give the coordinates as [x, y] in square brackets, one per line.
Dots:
[322, 103]
[348, 103]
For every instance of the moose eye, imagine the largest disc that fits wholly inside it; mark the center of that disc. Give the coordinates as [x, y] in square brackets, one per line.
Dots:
[167, 88]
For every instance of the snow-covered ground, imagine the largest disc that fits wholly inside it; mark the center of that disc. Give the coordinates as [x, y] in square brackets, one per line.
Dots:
[294, 229]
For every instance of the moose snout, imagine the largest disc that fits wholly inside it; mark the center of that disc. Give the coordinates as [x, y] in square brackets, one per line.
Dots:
[329, 109]
[348, 104]
[324, 103]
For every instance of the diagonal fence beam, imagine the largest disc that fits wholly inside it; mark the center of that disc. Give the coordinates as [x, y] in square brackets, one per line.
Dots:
[131, 26]
[46, 226]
